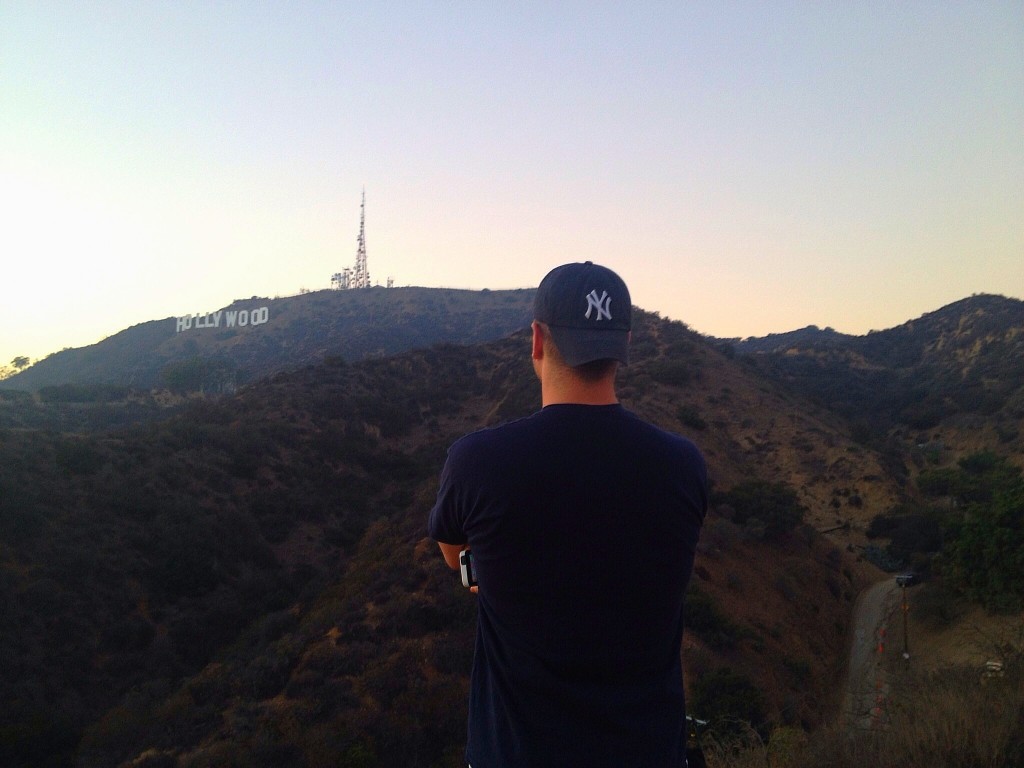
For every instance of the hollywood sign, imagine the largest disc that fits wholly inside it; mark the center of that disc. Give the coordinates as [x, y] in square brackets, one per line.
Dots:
[232, 318]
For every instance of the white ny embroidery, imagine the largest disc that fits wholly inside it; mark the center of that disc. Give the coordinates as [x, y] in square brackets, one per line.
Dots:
[603, 305]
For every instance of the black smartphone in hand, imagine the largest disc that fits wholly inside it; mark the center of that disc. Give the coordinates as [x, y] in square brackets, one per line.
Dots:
[466, 566]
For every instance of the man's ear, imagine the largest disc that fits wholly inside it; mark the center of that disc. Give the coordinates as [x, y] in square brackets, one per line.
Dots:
[538, 340]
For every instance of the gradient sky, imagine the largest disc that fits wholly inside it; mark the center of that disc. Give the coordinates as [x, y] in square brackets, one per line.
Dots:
[747, 167]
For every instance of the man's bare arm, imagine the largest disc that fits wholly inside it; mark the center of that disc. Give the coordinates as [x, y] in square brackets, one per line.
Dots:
[451, 553]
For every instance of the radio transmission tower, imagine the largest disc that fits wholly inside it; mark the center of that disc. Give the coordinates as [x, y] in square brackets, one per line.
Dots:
[362, 275]
[358, 277]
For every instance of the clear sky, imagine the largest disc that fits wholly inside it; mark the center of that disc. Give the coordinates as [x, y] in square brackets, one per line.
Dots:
[748, 167]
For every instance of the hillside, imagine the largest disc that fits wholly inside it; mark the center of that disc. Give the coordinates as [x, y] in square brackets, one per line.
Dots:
[926, 393]
[812, 335]
[933, 389]
[293, 513]
[222, 349]
[247, 580]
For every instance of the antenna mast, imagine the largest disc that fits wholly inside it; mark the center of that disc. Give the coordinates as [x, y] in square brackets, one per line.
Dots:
[362, 275]
[358, 276]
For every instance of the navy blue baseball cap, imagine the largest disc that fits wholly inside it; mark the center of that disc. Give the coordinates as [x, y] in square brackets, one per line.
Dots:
[588, 309]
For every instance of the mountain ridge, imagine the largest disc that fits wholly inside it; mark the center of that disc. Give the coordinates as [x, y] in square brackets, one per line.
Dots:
[956, 370]
[298, 330]
[137, 355]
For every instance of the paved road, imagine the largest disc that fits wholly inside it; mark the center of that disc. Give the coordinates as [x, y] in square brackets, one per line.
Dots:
[866, 686]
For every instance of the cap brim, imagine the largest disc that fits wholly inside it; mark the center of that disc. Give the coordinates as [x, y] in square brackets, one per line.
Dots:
[579, 346]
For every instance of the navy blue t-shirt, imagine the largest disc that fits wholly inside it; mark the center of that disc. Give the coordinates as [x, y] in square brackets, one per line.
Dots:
[583, 522]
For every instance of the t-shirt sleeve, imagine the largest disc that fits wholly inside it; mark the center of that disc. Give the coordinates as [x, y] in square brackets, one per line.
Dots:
[446, 520]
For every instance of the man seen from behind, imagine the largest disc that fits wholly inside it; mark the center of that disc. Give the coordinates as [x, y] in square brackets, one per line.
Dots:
[583, 522]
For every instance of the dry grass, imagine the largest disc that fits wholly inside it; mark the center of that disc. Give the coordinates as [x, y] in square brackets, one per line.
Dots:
[950, 717]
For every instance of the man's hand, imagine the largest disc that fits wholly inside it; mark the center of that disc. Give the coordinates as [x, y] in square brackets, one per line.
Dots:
[451, 554]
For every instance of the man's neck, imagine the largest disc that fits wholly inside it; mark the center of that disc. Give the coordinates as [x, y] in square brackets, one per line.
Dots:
[570, 391]
[559, 385]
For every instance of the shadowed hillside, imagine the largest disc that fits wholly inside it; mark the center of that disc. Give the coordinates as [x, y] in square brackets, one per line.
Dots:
[218, 351]
[261, 557]
[247, 582]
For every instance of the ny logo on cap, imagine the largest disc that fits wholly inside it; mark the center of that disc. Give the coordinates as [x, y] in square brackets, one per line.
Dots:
[602, 304]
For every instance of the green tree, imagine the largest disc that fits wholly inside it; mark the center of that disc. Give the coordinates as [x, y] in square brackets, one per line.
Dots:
[985, 550]
[946, 481]
[17, 364]
[975, 478]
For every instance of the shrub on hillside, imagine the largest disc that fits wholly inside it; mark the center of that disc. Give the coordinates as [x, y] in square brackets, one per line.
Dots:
[669, 371]
[729, 701]
[911, 533]
[707, 621]
[82, 393]
[200, 374]
[77, 457]
[941, 482]
[763, 506]
[690, 416]
[936, 606]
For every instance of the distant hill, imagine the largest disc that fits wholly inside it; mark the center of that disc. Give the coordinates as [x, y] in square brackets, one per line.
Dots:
[952, 378]
[779, 342]
[251, 338]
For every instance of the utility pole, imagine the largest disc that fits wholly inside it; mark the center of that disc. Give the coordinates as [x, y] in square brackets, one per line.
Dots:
[906, 649]
[903, 580]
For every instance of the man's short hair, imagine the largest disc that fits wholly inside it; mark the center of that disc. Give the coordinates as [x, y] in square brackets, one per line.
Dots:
[591, 371]
[596, 370]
